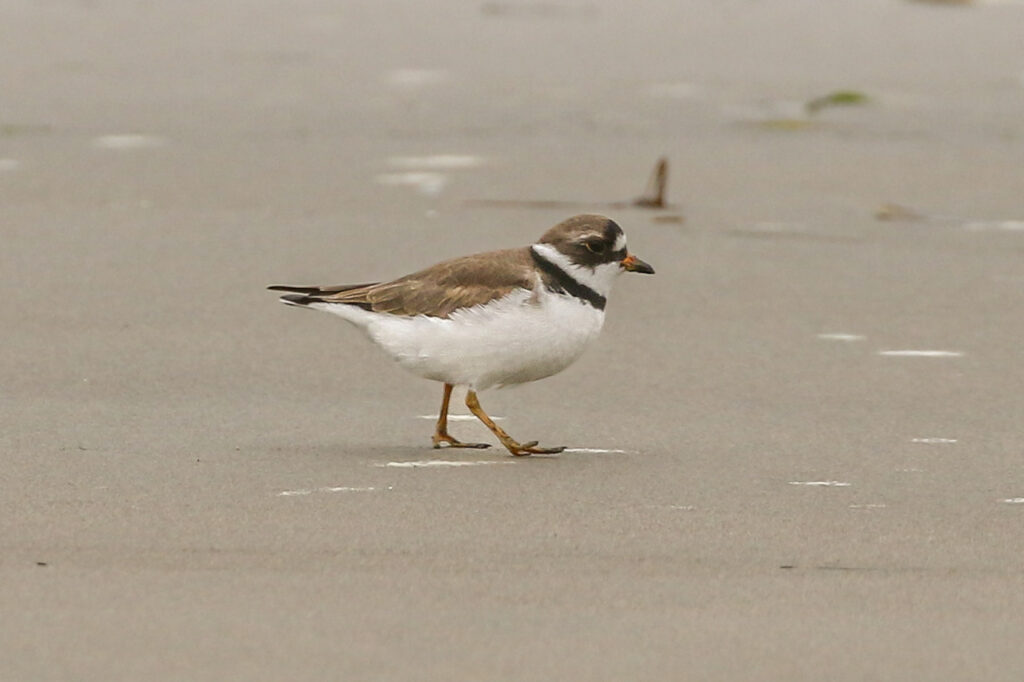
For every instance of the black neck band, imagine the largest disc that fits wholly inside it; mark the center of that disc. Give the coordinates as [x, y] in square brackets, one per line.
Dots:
[565, 282]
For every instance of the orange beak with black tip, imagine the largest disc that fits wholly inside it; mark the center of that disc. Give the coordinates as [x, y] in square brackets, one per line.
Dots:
[633, 264]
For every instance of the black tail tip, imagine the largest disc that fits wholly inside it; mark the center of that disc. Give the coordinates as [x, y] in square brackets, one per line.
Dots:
[297, 299]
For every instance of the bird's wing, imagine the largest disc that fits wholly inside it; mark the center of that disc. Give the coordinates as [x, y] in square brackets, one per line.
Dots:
[437, 291]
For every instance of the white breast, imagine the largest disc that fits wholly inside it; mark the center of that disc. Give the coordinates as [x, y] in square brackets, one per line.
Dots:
[522, 337]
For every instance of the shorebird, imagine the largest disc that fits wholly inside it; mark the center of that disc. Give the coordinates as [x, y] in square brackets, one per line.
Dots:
[491, 319]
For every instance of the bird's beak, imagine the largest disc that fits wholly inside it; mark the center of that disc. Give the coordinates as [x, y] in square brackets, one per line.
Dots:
[634, 264]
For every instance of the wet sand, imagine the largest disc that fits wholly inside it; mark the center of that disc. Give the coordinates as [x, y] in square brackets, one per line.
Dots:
[201, 484]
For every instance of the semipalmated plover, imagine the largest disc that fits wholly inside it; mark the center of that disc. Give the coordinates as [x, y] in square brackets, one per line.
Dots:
[492, 319]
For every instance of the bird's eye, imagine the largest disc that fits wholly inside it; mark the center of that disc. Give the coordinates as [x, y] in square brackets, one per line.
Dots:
[595, 246]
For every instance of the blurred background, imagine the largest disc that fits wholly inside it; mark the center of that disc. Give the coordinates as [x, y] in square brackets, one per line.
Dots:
[821, 381]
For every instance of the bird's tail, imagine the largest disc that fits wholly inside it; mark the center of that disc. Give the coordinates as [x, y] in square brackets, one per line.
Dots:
[303, 296]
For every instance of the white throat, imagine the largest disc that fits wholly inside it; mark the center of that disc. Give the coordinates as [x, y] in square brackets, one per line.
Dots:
[599, 278]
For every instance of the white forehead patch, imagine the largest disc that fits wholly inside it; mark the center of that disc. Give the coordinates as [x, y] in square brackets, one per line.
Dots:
[620, 242]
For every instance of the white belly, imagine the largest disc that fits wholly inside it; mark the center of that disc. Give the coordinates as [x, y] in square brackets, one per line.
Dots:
[509, 341]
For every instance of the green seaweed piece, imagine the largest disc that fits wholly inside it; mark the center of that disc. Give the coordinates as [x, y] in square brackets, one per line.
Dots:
[839, 98]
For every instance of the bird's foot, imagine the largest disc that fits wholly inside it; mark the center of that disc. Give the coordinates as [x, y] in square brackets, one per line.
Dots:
[524, 449]
[452, 442]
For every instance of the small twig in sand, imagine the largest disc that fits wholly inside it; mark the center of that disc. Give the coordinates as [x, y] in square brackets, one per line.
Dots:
[654, 195]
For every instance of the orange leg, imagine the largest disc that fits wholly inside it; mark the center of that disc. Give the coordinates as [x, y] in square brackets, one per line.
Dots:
[517, 449]
[441, 434]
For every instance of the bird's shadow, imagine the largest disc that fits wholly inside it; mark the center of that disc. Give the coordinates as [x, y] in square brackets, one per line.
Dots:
[376, 454]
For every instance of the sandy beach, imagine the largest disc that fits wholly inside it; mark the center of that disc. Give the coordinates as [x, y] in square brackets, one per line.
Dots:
[796, 453]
